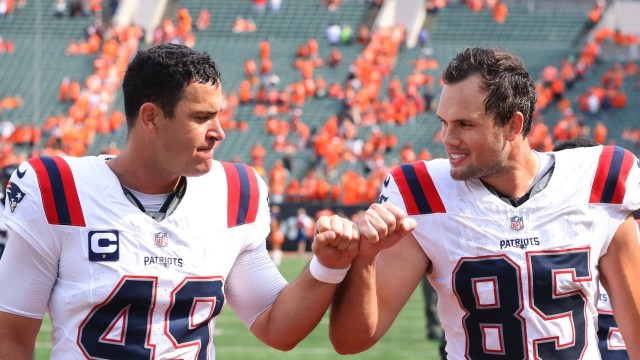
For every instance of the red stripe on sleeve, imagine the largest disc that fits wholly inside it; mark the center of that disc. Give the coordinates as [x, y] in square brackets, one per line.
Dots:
[429, 189]
[233, 193]
[71, 192]
[46, 192]
[602, 172]
[621, 186]
[405, 191]
[254, 199]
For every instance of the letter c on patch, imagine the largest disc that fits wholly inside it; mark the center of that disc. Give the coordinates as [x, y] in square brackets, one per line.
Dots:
[104, 245]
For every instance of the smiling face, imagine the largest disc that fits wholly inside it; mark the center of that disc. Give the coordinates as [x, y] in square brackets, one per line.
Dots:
[476, 147]
[185, 142]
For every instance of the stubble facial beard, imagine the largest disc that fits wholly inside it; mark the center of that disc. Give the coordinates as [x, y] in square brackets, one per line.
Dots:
[495, 167]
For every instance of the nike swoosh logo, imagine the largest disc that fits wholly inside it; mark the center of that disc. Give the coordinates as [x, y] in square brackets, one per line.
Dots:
[20, 173]
[386, 181]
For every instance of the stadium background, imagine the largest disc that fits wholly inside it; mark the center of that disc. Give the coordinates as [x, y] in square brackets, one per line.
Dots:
[42, 44]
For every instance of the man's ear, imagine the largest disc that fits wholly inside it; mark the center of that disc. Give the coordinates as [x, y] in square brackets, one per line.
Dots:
[148, 115]
[514, 126]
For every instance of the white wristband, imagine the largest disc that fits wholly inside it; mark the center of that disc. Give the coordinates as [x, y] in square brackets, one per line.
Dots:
[325, 274]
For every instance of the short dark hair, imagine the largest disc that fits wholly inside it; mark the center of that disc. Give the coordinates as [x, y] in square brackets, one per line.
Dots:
[161, 74]
[578, 142]
[510, 88]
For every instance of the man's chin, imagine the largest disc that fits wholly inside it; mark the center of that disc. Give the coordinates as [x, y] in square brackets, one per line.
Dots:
[457, 177]
[201, 169]
[461, 175]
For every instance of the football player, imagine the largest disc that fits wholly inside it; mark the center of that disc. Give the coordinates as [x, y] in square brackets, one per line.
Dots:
[5, 174]
[135, 256]
[514, 241]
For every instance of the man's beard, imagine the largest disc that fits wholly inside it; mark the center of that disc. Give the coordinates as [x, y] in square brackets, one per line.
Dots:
[477, 172]
[495, 167]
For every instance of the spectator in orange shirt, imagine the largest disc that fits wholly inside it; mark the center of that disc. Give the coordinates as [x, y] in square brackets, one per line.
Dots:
[595, 14]
[74, 90]
[204, 18]
[277, 179]
[276, 237]
[264, 49]
[407, 154]
[424, 154]
[618, 99]
[475, 5]
[240, 25]
[244, 92]
[630, 68]
[500, 12]
[63, 91]
[600, 133]
[350, 188]
[258, 152]
[335, 58]
[312, 46]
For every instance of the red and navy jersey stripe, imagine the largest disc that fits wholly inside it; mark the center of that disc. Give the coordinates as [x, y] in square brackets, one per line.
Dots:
[58, 191]
[417, 189]
[609, 184]
[244, 194]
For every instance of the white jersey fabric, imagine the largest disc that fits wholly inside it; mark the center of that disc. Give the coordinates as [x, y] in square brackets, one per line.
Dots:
[120, 285]
[519, 282]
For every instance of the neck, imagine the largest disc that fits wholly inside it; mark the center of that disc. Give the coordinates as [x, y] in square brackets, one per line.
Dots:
[521, 170]
[138, 172]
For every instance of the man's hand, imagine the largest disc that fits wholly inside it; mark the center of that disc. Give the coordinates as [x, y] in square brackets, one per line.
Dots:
[382, 226]
[335, 241]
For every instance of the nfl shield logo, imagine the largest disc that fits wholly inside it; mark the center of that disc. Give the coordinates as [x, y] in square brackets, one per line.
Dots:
[517, 223]
[161, 239]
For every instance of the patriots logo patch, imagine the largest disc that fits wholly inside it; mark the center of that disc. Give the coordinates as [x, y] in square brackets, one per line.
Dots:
[14, 195]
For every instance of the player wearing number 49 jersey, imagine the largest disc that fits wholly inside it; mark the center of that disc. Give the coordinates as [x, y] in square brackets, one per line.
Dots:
[149, 285]
[135, 256]
[514, 241]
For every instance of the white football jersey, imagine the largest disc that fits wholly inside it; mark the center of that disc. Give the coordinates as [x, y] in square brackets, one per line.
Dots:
[127, 286]
[519, 282]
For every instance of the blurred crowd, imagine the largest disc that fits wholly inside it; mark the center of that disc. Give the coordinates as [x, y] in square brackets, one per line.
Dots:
[350, 152]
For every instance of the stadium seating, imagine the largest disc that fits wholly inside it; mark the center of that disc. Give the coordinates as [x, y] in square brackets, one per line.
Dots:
[295, 23]
[39, 63]
[541, 37]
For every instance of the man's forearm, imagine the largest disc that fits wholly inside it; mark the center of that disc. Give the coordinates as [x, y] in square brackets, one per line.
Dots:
[354, 312]
[17, 336]
[295, 313]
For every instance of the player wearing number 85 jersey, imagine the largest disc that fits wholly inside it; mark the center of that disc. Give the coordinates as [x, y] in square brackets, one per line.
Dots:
[135, 256]
[514, 241]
